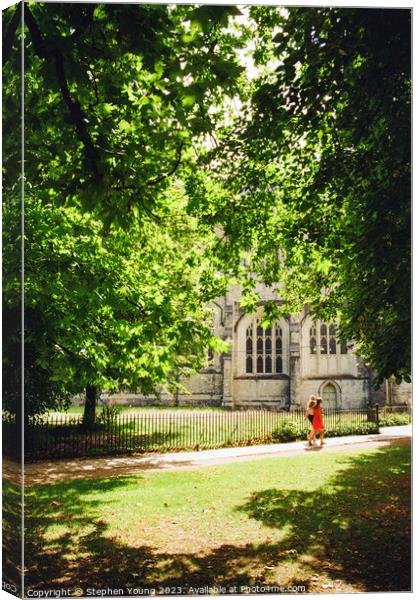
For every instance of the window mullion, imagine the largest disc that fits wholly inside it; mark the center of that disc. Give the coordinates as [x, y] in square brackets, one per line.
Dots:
[273, 348]
[254, 346]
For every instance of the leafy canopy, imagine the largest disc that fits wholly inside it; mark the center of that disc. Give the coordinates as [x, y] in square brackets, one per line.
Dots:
[152, 164]
[315, 174]
[117, 276]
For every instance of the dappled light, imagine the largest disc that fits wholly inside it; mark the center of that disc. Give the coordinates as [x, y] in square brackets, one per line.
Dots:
[353, 530]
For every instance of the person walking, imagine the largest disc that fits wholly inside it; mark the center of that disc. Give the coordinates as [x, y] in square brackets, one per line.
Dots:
[309, 415]
[318, 422]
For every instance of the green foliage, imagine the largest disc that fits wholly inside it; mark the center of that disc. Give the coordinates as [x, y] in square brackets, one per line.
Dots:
[143, 183]
[315, 174]
[353, 429]
[116, 96]
[393, 419]
[117, 102]
[289, 430]
[110, 307]
[124, 307]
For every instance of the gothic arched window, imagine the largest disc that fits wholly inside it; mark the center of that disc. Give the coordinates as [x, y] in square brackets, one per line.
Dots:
[260, 348]
[264, 354]
[324, 337]
[267, 350]
[279, 350]
[249, 350]
[332, 339]
[312, 339]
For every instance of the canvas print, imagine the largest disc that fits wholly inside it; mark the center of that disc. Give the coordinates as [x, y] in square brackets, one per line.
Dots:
[206, 299]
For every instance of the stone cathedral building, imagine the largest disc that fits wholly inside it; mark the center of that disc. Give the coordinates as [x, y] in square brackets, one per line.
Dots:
[277, 368]
[281, 366]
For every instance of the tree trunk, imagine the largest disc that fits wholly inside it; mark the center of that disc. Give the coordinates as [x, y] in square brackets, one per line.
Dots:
[89, 417]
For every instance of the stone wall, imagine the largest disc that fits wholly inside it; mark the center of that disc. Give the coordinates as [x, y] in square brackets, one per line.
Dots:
[260, 393]
[402, 393]
[202, 389]
[351, 392]
[391, 393]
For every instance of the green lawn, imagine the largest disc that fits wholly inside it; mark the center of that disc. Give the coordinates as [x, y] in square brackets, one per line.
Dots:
[12, 536]
[327, 521]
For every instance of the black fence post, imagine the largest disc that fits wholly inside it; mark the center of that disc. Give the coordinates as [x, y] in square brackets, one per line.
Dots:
[377, 418]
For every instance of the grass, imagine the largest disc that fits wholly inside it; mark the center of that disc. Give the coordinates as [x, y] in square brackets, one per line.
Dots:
[330, 522]
[12, 536]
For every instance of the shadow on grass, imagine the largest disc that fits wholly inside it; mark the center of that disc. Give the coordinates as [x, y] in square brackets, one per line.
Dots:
[354, 529]
[12, 535]
[74, 441]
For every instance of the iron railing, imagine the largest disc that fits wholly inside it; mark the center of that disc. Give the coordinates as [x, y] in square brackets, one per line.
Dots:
[64, 436]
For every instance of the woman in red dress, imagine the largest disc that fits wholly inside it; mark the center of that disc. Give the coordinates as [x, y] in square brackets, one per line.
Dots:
[318, 422]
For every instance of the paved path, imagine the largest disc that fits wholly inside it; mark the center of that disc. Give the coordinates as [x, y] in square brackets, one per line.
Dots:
[81, 468]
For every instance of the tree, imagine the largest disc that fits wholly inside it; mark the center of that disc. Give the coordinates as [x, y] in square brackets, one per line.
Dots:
[121, 309]
[116, 106]
[318, 195]
[307, 184]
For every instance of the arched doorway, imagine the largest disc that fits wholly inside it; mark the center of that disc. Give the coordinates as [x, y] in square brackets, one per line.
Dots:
[329, 395]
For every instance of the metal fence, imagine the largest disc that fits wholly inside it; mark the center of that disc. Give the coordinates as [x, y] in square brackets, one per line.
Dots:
[64, 436]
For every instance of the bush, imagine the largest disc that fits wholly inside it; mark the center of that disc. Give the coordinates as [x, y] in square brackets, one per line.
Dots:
[390, 420]
[288, 431]
[352, 429]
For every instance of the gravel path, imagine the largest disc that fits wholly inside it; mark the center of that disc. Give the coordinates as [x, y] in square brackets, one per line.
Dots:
[82, 468]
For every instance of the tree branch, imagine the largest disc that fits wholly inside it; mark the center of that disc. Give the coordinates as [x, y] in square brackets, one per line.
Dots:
[124, 188]
[38, 42]
[176, 165]
[79, 118]
[77, 113]
[151, 214]
[141, 309]
[67, 350]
